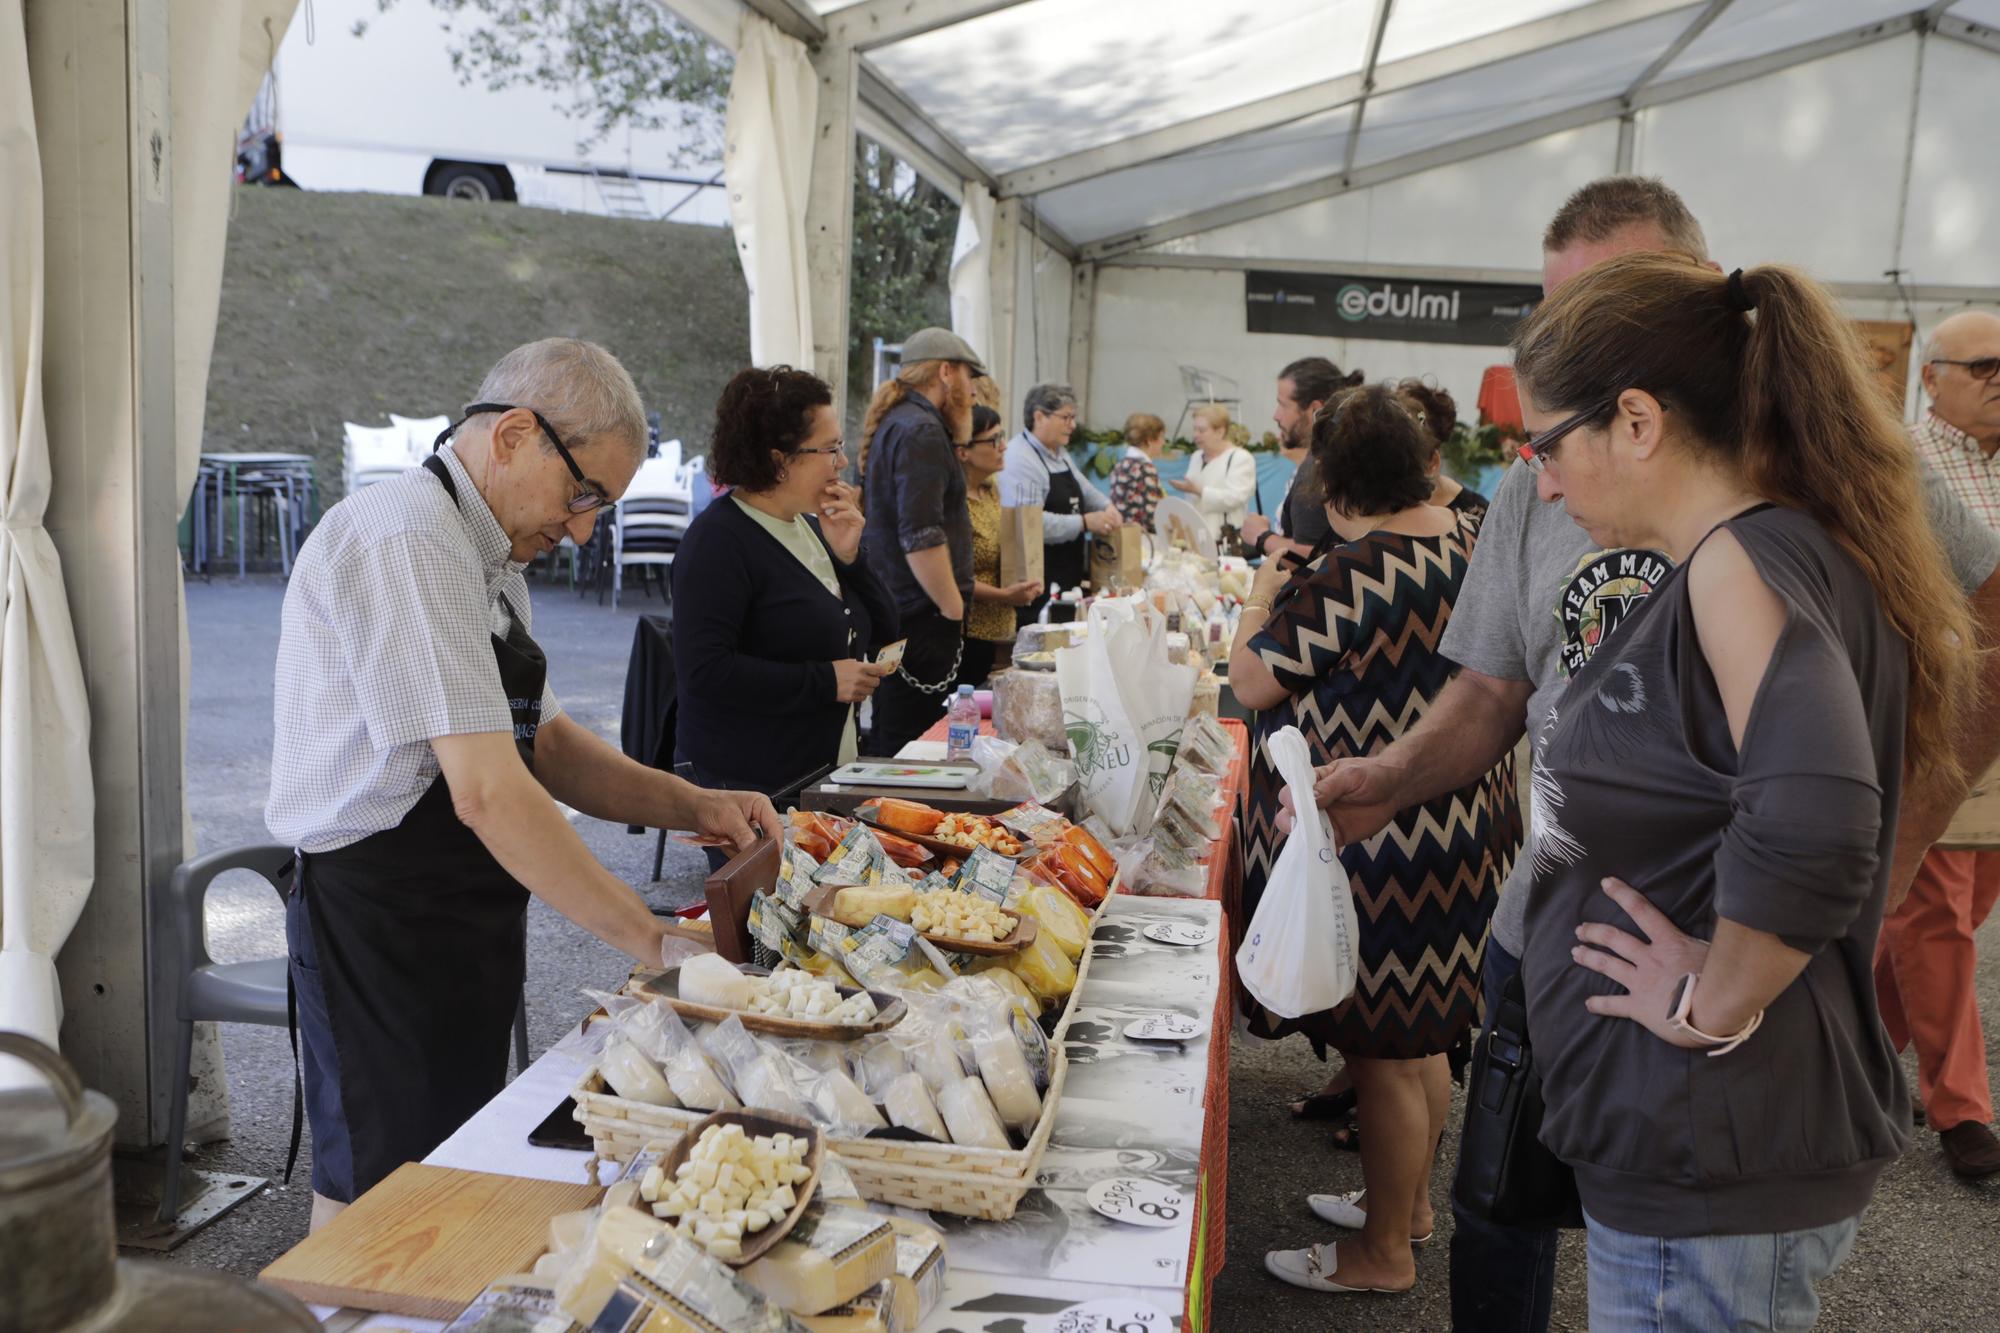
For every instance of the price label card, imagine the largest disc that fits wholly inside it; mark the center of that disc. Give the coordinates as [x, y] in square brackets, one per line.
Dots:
[1113, 1314]
[1175, 932]
[1144, 1203]
[1165, 1027]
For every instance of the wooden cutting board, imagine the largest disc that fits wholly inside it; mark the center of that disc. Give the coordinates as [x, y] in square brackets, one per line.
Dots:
[427, 1240]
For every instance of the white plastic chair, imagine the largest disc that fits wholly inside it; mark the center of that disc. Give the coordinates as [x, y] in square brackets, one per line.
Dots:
[370, 454]
[652, 516]
[670, 454]
[422, 433]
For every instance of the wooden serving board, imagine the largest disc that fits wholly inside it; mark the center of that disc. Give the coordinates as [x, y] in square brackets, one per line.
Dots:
[427, 1240]
[938, 847]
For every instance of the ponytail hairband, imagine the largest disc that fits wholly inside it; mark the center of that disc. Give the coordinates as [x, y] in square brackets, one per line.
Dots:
[1739, 300]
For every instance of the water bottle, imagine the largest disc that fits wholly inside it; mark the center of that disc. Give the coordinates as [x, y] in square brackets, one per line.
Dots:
[961, 725]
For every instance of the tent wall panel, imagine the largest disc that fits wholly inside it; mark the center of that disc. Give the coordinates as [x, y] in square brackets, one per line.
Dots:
[1954, 206]
[1041, 323]
[1487, 212]
[1768, 165]
[1152, 320]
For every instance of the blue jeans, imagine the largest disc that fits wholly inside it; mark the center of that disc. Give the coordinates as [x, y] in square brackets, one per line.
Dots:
[1695, 1284]
[1503, 1278]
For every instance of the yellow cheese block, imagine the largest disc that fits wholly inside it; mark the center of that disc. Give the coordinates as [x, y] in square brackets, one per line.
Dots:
[888, 1307]
[856, 907]
[832, 1255]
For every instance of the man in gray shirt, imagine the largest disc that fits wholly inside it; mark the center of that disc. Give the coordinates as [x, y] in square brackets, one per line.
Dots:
[1538, 600]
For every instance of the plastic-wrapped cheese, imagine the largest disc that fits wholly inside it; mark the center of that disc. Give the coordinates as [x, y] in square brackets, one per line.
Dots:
[1045, 968]
[920, 1259]
[910, 1107]
[696, 1083]
[1015, 988]
[1056, 912]
[831, 1255]
[1006, 1075]
[569, 1231]
[661, 1283]
[936, 1058]
[969, 1115]
[713, 980]
[890, 1306]
[632, 1076]
[879, 1063]
[844, 1105]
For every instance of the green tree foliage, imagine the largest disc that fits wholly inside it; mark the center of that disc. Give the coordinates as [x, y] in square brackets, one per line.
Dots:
[618, 63]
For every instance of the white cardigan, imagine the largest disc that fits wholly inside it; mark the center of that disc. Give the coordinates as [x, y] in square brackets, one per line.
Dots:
[1227, 483]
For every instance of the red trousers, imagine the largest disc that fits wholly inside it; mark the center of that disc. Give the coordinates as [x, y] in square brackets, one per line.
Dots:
[1926, 980]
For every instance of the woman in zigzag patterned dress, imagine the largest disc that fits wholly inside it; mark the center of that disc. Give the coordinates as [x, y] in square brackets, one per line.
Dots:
[1346, 650]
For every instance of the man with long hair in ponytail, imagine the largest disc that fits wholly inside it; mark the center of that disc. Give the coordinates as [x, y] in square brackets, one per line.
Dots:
[919, 530]
[1542, 596]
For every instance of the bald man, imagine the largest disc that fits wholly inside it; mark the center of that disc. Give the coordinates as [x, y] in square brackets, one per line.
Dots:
[1925, 965]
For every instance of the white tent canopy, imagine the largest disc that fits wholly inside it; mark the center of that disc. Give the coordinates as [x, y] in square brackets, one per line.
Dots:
[1147, 152]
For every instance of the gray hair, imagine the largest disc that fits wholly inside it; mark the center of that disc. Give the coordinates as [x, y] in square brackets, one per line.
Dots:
[579, 386]
[1049, 398]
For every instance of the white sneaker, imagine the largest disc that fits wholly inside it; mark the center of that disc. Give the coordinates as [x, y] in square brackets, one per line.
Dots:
[1343, 1210]
[1312, 1268]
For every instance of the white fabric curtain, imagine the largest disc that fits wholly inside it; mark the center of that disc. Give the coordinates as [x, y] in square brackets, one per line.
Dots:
[767, 167]
[219, 52]
[47, 804]
[972, 271]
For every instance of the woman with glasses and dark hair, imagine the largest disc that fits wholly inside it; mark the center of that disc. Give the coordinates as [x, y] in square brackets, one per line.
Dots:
[776, 612]
[1716, 789]
[1345, 650]
[990, 619]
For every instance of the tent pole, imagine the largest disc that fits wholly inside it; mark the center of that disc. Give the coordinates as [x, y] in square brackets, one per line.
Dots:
[109, 380]
[1082, 331]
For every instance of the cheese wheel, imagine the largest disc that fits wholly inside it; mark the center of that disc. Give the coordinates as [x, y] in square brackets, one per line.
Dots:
[632, 1076]
[910, 1107]
[1005, 1072]
[713, 980]
[969, 1115]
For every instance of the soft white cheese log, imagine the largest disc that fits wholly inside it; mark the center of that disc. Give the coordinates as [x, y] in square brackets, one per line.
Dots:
[969, 1115]
[910, 1107]
[1007, 1077]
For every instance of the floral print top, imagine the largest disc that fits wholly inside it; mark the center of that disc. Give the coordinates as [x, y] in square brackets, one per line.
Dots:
[1135, 488]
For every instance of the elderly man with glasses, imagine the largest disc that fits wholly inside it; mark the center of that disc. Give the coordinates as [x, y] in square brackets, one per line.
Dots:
[1038, 472]
[1926, 967]
[419, 757]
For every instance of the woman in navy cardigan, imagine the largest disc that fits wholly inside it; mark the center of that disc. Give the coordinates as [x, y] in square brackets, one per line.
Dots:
[776, 614]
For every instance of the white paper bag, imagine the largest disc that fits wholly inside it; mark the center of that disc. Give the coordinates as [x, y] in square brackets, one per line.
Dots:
[1302, 954]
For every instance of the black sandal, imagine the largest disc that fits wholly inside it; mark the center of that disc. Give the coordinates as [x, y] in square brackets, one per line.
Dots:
[1347, 1138]
[1323, 1105]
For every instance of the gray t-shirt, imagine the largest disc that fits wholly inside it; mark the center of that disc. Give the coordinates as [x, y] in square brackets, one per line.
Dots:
[1788, 833]
[1540, 598]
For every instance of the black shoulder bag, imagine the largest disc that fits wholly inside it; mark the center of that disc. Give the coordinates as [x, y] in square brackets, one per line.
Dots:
[1505, 1174]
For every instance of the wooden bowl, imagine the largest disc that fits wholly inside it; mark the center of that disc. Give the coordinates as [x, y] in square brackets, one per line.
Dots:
[665, 987]
[820, 903]
[756, 1123]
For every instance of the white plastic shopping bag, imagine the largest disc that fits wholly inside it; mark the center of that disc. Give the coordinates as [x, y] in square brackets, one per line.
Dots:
[1302, 952]
[1124, 706]
[1104, 742]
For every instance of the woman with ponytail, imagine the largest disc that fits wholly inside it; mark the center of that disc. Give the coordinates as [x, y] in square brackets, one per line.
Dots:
[1716, 788]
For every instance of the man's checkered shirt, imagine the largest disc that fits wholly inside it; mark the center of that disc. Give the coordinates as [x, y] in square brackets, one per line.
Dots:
[386, 645]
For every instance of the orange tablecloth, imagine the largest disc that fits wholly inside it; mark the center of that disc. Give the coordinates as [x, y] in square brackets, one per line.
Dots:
[1225, 884]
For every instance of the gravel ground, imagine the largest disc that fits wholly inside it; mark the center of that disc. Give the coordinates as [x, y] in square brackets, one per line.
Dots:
[1928, 1257]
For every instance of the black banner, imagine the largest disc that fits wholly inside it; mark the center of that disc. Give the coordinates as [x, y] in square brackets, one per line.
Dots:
[1333, 305]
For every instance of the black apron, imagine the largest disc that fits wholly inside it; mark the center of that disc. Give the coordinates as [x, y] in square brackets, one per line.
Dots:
[409, 949]
[1065, 565]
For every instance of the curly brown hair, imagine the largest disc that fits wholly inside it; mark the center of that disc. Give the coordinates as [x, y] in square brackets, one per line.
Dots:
[1433, 408]
[761, 410]
[1372, 456]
